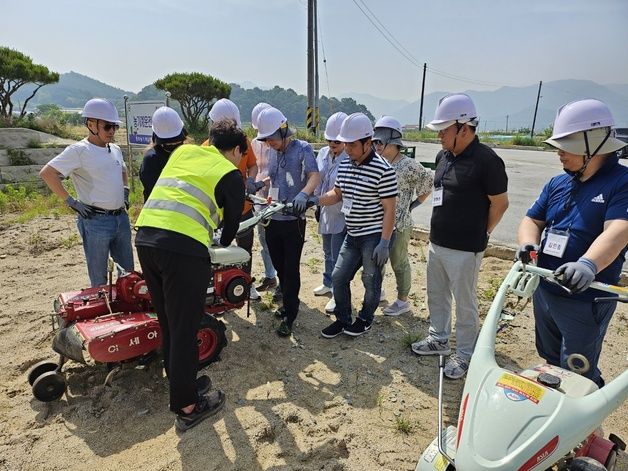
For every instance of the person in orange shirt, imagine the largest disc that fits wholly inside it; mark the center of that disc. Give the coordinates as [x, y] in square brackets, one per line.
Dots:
[226, 109]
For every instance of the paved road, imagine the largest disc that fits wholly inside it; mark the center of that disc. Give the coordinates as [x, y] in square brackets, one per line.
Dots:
[528, 171]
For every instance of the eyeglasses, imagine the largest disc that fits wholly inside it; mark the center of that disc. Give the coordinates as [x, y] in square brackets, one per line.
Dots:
[377, 142]
[110, 126]
[330, 141]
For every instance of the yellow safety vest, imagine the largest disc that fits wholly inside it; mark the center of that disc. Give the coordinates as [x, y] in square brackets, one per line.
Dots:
[183, 199]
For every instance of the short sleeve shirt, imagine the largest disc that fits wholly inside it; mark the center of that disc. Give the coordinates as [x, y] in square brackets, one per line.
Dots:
[96, 173]
[580, 209]
[467, 180]
[412, 180]
[331, 220]
[288, 171]
[363, 188]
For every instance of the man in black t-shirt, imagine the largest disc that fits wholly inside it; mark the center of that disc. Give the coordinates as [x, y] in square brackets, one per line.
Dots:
[469, 199]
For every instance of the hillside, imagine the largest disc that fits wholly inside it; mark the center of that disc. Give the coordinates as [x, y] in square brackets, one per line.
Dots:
[516, 102]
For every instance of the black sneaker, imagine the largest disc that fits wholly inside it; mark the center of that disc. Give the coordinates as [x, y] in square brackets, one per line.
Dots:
[267, 283]
[333, 330]
[205, 407]
[280, 313]
[203, 385]
[358, 328]
[284, 330]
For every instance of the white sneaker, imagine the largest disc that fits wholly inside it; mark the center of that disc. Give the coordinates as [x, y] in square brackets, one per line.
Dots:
[330, 306]
[382, 295]
[321, 290]
[254, 294]
[397, 308]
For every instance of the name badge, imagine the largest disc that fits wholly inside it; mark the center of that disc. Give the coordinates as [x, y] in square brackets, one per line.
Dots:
[347, 203]
[437, 197]
[556, 243]
[273, 193]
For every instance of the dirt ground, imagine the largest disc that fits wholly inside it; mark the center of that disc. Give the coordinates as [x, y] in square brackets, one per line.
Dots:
[292, 404]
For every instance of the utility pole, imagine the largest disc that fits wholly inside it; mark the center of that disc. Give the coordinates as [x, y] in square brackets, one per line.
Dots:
[506, 124]
[422, 93]
[310, 66]
[317, 113]
[538, 96]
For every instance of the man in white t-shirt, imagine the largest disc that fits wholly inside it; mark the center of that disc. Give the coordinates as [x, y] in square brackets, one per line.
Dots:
[99, 175]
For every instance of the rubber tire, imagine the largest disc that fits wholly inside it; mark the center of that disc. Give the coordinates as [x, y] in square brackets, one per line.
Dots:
[211, 340]
[40, 368]
[49, 386]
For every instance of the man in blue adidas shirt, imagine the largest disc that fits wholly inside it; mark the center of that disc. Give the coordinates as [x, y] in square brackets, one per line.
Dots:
[584, 216]
[367, 186]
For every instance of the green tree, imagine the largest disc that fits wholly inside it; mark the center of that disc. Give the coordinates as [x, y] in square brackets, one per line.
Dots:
[17, 70]
[196, 93]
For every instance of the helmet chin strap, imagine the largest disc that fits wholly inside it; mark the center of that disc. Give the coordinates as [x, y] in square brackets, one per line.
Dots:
[97, 135]
[586, 159]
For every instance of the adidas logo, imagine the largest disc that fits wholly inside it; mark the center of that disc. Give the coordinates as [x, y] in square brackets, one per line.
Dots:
[598, 199]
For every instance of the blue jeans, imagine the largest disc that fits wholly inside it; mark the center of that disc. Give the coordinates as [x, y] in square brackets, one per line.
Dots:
[564, 326]
[331, 249]
[103, 235]
[357, 252]
[269, 269]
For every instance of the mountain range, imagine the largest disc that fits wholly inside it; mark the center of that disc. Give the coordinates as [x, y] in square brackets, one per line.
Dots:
[515, 102]
[74, 89]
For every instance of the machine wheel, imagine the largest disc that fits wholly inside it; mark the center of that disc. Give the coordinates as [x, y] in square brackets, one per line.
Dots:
[211, 340]
[236, 290]
[50, 386]
[40, 368]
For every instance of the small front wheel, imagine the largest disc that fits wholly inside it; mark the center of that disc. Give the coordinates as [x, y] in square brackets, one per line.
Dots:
[39, 369]
[49, 386]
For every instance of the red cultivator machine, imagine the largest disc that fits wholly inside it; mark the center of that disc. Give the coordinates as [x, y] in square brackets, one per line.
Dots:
[116, 323]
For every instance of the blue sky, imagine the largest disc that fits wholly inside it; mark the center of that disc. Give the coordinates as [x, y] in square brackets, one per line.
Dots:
[131, 43]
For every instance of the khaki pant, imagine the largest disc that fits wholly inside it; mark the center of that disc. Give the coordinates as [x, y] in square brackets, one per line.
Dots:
[400, 262]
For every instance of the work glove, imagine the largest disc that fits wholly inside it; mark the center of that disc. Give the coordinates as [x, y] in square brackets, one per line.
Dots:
[523, 254]
[216, 240]
[313, 201]
[299, 203]
[577, 276]
[414, 204]
[126, 197]
[381, 252]
[252, 186]
[81, 208]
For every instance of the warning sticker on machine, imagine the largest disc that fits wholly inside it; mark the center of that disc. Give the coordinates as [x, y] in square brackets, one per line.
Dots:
[520, 389]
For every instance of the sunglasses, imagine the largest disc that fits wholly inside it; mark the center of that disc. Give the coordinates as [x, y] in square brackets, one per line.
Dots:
[110, 126]
[333, 142]
[377, 143]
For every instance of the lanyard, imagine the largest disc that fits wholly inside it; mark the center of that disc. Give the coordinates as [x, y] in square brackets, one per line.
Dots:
[448, 164]
[569, 203]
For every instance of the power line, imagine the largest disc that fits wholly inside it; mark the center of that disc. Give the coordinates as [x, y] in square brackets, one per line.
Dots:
[324, 58]
[389, 33]
[407, 57]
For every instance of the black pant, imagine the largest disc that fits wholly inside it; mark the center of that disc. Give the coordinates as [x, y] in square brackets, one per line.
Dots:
[178, 287]
[245, 240]
[285, 243]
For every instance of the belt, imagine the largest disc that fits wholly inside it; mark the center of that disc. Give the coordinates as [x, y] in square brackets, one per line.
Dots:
[108, 212]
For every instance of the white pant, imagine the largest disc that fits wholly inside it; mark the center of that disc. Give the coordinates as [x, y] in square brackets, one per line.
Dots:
[454, 272]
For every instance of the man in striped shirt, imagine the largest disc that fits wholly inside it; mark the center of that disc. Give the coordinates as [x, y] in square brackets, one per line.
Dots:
[367, 186]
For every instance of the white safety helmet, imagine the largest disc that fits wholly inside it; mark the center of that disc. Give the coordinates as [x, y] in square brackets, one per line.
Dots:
[454, 108]
[257, 109]
[225, 109]
[167, 125]
[356, 126]
[332, 128]
[269, 121]
[585, 127]
[388, 130]
[99, 108]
